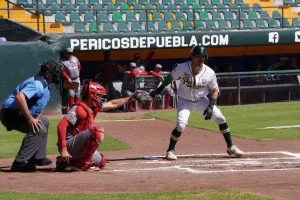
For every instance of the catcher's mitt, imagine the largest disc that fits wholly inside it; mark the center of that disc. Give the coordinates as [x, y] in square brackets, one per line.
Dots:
[141, 96]
[63, 166]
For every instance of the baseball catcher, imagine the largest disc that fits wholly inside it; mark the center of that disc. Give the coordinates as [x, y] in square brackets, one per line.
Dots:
[78, 140]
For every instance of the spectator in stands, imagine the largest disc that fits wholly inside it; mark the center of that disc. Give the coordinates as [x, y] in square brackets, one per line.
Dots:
[71, 73]
[128, 86]
[167, 91]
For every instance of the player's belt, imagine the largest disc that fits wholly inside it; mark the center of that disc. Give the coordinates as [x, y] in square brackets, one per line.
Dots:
[189, 100]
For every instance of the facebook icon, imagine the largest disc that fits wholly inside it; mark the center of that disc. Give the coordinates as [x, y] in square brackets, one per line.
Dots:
[273, 37]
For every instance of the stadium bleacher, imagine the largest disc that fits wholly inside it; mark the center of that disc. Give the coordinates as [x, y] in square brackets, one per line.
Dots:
[164, 15]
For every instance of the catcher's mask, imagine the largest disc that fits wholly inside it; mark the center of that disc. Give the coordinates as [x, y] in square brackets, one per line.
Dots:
[199, 51]
[52, 67]
[94, 92]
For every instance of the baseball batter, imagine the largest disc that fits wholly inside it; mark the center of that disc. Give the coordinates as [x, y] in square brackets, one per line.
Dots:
[197, 80]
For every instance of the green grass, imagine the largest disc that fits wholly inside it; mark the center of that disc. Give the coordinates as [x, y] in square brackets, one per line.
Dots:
[207, 195]
[10, 142]
[243, 120]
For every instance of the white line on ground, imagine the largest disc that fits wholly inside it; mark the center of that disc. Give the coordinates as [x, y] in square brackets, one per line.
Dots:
[125, 120]
[280, 127]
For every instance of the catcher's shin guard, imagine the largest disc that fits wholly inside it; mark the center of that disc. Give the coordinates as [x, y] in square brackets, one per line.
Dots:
[90, 147]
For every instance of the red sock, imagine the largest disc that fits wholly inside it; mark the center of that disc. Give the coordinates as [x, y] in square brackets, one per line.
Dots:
[71, 101]
[77, 100]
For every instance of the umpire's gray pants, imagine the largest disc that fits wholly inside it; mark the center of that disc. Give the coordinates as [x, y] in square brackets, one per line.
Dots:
[76, 144]
[34, 145]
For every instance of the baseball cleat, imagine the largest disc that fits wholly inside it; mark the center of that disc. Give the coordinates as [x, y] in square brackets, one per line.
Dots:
[171, 155]
[233, 150]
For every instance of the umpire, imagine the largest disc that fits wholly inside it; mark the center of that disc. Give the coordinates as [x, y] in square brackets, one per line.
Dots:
[22, 110]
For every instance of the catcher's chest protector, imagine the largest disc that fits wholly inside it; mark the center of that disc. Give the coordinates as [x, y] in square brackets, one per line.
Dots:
[84, 118]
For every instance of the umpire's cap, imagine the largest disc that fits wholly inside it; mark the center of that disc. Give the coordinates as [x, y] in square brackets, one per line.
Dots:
[199, 51]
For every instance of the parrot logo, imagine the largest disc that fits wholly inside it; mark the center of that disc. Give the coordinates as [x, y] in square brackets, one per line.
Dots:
[202, 49]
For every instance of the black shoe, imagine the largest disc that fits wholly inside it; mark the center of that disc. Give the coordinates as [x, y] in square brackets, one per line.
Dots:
[41, 162]
[22, 167]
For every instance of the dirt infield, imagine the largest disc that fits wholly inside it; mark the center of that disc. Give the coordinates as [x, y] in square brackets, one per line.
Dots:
[269, 168]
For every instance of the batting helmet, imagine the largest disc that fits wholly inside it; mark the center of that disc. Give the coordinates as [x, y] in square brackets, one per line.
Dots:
[199, 51]
[95, 92]
[52, 67]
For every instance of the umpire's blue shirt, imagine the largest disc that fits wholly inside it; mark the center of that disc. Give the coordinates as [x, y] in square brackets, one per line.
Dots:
[38, 96]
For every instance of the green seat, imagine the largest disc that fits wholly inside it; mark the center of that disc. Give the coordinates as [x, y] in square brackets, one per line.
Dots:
[111, 8]
[131, 2]
[143, 2]
[93, 2]
[97, 8]
[276, 15]
[223, 25]
[162, 26]
[80, 28]
[233, 8]
[191, 2]
[260, 24]
[248, 24]
[190, 16]
[89, 17]
[41, 8]
[256, 7]
[179, 2]
[238, 2]
[120, 2]
[149, 7]
[157, 16]
[117, 17]
[49, 2]
[143, 17]
[203, 2]
[215, 2]
[93, 27]
[296, 22]
[216, 15]
[136, 27]
[150, 27]
[209, 8]
[102, 17]
[39, 1]
[227, 2]
[286, 23]
[74, 17]
[176, 26]
[83, 8]
[197, 7]
[184, 7]
[168, 16]
[106, 2]
[154, 2]
[242, 16]
[130, 17]
[167, 2]
[69, 8]
[61, 18]
[203, 15]
[187, 25]
[180, 16]
[55, 8]
[210, 25]
[200, 26]
[228, 15]
[122, 27]
[108, 27]
[288, 2]
[273, 23]
[138, 8]
[245, 7]
[171, 8]
[252, 15]
[221, 7]
[78, 2]
[160, 7]
[264, 15]
[124, 8]
[65, 2]
[235, 24]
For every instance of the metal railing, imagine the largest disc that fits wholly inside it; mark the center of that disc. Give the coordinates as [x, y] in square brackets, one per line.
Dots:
[193, 20]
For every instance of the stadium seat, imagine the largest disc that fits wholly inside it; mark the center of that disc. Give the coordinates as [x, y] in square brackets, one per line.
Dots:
[89, 17]
[150, 27]
[65, 2]
[131, 2]
[203, 2]
[276, 15]
[154, 2]
[168, 16]
[200, 26]
[157, 16]
[119, 2]
[286, 23]
[111, 8]
[223, 25]
[245, 7]
[256, 7]
[49, 2]
[210, 25]
[295, 22]
[187, 25]
[143, 17]
[122, 27]
[138, 8]
[124, 8]
[160, 7]
[238, 2]
[93, 2]
[55, 8]
[190, 16]
[252, 15]
[167, 2]
[184, 7]
[221, 7]
[74, 17]
[227, 2]
[102, 17]
[106, 2]
[215, 2]
[117, 17]
[80, 28]
[149, 7]
[203, 15]
[176, 26]
[273, 23]
[248, 24]
[264, 15]
[108, 27]
[130, 17]
[69, 8]
[216, 15]
[41, 8]
[180, 16]
[235, 24]
[171, 8]
[179, 2]
[97, 8]
[162, 26]
[93, 27]
[209, 8]
[233, 8]
[78, 2]
[83, 8]
[61, 18]
[136, 27]
[260, 24]
[242, 16]
[197, 7]
[228, 15]
[143, 2]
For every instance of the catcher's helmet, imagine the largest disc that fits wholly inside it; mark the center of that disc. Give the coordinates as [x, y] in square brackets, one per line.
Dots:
[95, 92]
[52, 67]
[199, 51]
